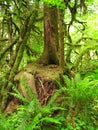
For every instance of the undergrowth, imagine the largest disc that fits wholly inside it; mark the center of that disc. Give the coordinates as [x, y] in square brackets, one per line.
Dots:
[74, 106]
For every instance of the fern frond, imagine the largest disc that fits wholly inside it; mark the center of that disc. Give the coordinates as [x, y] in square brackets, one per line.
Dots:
[50, 120]
[17, 94]
[36, 120]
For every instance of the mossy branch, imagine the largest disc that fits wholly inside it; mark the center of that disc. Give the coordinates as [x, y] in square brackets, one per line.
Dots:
[7, 48]
[78, 60]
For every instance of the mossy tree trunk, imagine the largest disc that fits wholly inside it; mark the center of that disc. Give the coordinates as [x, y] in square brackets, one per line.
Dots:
[21, 42]
[51, 41]
[61, 36]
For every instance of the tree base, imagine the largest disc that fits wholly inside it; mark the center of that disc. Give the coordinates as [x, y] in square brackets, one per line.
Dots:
[43, 85]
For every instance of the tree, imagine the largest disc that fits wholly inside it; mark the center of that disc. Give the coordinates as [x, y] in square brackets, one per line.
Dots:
[17, 38]
[18, 22]
[53, 36]
[51, 40]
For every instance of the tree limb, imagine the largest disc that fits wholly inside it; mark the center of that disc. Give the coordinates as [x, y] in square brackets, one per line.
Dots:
[7, 48]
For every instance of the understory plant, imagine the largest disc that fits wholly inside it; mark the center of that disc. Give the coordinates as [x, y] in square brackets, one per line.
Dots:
[74, 106]
[81, 101]
[31, 115]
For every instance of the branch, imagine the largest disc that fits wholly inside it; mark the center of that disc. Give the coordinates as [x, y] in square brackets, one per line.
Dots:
[3, 40]
[16, 27]
[7, 48]
[39, 19]
[81, 55]
[36, 29]
[85, 38]
[2, 4]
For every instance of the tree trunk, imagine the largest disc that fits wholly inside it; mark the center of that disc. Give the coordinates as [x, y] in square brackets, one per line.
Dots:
[61, 37]
[51, 42]
[25, 32]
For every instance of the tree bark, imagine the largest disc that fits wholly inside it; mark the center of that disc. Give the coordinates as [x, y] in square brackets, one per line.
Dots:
[51, 42]
[25, 31]
[61, 37]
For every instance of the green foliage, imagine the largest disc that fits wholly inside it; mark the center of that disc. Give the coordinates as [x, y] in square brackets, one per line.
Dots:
[78, 105]
[81, 42]
[58, 3]
[80, 90]
[33, 49]
[81, 100]
[31, 115]
[77, 109]
[4, 123]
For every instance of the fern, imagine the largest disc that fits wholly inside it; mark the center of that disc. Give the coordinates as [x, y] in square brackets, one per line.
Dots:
[80, 95]
[32, 115]
[17, 94]
[50, 120]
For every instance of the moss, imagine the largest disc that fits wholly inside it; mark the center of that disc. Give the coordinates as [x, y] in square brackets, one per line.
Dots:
[50, 71]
